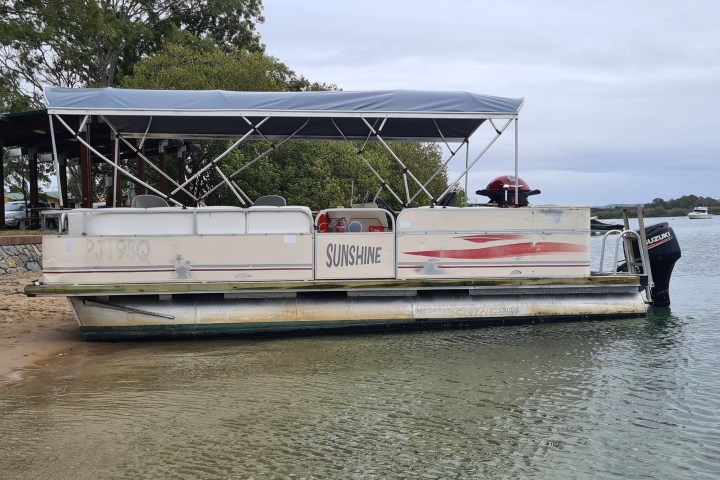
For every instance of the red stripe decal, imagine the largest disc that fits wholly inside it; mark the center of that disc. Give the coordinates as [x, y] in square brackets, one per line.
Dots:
[513, 250]
[491, 238]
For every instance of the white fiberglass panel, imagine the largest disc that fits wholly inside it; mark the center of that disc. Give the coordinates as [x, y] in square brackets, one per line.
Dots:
[354, 255]
[293, 219]
[131, 221]
[220, 221]
[153, 259]
[493, 242]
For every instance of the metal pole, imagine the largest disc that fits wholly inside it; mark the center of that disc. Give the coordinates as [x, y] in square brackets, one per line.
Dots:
[645, 254]
[115, 188]
[467, 175]
[517, 167]
[85, 168]
[56, 164]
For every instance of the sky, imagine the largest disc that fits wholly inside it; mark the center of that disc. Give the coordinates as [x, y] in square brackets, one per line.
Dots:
[621, 97]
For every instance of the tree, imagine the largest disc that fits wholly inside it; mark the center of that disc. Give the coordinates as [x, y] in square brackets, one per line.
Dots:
[90, 43]
[189, 63]
[10, 100]
[323, 174]
[16, 173]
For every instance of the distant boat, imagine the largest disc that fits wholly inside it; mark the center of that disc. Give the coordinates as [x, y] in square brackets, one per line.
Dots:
[699, 213]
[600, 228]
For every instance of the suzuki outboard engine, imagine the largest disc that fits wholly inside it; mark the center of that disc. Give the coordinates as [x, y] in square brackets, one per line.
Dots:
[663, 251]
[501, 191]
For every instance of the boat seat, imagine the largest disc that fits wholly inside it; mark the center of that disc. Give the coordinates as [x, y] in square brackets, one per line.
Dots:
[270, 201]
[448, 200]
[148, 201]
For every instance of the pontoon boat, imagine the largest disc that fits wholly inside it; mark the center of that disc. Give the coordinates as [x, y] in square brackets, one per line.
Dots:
[165, 268]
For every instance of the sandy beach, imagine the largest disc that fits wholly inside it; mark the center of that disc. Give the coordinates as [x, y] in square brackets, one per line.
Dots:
[33, 331]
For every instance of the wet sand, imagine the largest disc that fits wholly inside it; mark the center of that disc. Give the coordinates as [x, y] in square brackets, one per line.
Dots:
[33, 331]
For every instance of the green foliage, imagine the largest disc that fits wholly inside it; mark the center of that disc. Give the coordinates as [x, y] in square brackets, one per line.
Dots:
[317, 174]
[198, 44]
[90, 43]
[666, 208]
[16, 174]
[195, 65]
[10, 100]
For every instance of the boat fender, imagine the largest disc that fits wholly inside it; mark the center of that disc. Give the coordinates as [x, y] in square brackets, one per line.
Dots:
[322, 223]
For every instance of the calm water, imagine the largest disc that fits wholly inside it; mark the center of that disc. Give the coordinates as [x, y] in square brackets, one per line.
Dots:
[636, 398]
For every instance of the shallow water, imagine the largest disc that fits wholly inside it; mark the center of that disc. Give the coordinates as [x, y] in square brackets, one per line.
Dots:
[635, 398]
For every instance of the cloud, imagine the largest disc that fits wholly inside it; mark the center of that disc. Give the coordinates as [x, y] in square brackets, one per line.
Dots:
[621, 97]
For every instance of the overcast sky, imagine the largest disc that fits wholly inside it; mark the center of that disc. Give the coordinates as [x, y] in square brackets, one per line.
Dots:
[622, 98]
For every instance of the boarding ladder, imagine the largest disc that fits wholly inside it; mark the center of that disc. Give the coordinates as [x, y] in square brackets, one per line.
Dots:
[640, 266]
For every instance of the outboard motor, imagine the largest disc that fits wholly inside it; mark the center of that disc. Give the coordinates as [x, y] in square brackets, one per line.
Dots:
[663, 251]
[501, 191]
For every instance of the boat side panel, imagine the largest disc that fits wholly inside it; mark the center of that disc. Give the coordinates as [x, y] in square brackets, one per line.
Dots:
[351, 255]
[98, 260]
[493, 242]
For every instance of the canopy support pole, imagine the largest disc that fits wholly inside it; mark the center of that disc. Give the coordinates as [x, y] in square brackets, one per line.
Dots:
[487, 147]
[220, 157]
[358, 152]
[89, 147]
[445, 164]
[142, 156]
[56, 165]
[115, 186]
[397, 159]
[263, 154]
[440, 169]
[517, 165]
[467, 160]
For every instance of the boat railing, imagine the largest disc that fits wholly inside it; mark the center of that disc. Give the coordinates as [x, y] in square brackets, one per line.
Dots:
[169, 221]
[632, 265]
[621, 234]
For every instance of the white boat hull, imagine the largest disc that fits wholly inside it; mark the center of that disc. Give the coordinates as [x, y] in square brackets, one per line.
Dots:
[126, 317]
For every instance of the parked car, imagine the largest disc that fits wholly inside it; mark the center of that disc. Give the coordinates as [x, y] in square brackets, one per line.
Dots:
[16, 211]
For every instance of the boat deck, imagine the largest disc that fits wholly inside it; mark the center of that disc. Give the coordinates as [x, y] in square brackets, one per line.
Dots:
[385, 286]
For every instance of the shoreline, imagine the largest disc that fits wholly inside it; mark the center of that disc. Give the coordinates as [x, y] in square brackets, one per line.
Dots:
[33, 331]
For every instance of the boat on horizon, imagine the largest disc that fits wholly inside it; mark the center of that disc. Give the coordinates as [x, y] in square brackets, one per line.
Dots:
[700, 213]
[162, 268]
[598, 227]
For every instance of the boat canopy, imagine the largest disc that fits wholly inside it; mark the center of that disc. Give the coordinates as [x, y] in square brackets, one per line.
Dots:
[186, 114]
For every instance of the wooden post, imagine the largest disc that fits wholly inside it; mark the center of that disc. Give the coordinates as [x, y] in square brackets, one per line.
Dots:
[181, 196]
[117, 189]
[63, 182]
[142, 189]
[162, 164]
[86, 172]
[33, 181]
